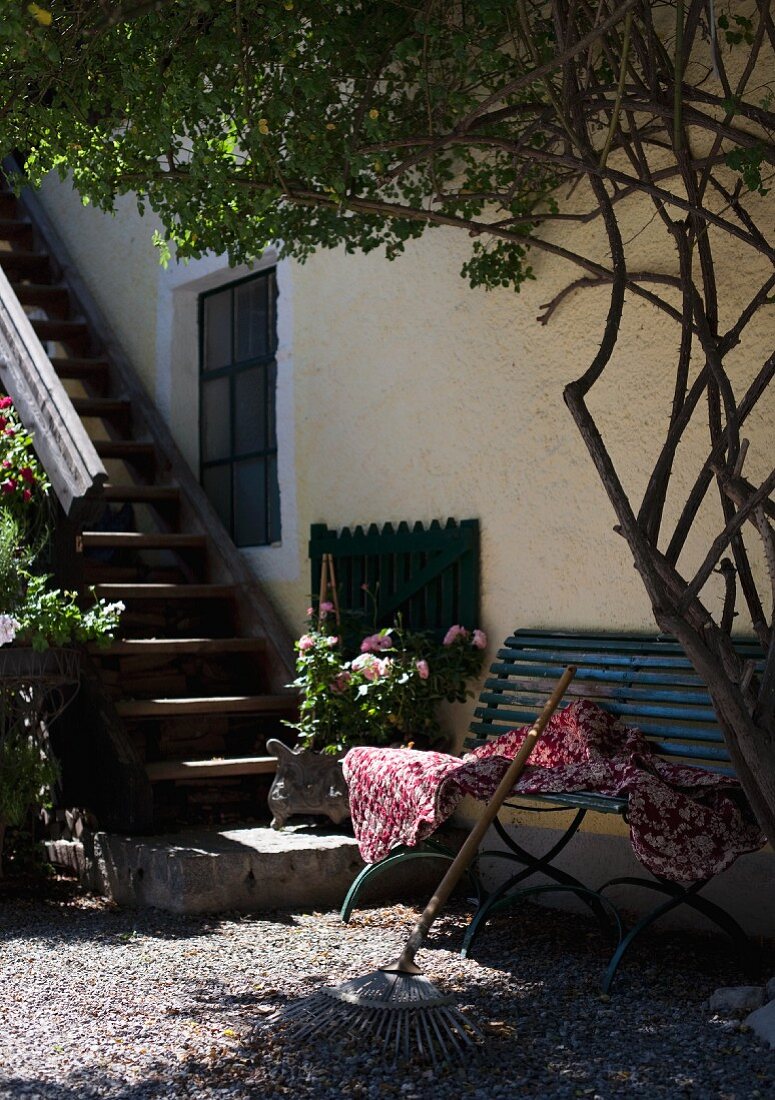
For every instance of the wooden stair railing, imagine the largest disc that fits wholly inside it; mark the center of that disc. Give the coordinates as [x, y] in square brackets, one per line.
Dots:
[68, 455]
[187, 696]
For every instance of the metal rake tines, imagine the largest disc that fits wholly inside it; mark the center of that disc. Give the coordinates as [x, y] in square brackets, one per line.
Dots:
[402, 1014]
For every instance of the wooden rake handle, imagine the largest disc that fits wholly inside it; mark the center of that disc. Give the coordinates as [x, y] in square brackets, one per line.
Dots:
[471, 845]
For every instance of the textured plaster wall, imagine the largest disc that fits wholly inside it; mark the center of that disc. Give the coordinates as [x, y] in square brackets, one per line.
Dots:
[116, 259]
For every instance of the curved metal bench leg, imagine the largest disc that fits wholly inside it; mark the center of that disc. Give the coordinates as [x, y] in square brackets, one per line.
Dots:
[371, 870]
[502, 897]
[677, 895]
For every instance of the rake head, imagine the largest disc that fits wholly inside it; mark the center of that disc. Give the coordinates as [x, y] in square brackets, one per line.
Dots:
[402, 1013]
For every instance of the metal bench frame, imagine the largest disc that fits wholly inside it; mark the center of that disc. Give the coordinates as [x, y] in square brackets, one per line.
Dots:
[648, 682]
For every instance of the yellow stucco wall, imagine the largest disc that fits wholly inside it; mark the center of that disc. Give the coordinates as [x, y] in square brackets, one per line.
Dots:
[415, 397]
[115, 256]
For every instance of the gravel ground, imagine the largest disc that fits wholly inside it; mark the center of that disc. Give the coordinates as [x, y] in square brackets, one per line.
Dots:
[97, 1002]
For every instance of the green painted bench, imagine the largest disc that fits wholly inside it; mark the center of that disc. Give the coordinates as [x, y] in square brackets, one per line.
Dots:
[648, 682]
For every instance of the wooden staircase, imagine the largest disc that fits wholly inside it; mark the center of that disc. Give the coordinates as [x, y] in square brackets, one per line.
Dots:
[195, 683]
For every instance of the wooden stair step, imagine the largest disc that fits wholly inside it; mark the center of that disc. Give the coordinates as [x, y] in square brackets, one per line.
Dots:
[165, 591]
[50, 328]
[142, 494]
[205, 704]
[103, 408]
[47, 296]
[153, 647]
[138, 540]
[27, 264]
[11, 229]
[210, 769]
[76, 366]
[129, 450]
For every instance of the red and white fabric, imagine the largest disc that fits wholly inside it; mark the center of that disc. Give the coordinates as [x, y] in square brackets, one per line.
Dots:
[684, 823]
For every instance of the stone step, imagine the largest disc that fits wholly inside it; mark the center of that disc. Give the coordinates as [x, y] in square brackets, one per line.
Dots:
[245, 869]
[196, 770]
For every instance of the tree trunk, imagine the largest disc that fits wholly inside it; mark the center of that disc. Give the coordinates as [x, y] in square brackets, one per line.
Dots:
[751, 747]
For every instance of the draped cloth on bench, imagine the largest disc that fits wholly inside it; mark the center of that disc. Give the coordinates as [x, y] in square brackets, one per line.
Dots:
[684, 825]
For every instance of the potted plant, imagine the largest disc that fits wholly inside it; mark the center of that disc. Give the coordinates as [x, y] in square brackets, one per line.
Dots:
[379, 688]
[40, 627]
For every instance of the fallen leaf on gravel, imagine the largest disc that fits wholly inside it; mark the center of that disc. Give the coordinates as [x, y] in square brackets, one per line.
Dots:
[500, 1027]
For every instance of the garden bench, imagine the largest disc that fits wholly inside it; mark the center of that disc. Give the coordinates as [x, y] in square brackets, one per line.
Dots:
[648, 682]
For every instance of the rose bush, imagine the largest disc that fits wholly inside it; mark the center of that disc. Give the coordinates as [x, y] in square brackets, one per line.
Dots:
[384, 689]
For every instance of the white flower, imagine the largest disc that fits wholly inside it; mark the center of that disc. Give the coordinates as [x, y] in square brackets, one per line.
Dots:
[8, 627]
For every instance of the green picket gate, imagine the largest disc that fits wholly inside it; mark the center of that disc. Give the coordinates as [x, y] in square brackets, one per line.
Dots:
[427, 575]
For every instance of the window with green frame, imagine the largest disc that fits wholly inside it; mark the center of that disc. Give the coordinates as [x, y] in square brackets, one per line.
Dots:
[237, 413]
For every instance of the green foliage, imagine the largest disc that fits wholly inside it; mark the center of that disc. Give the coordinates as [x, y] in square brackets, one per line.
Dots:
[748, 162]
[388, 689]
[26, 768]
[31, 612]
[54, 617]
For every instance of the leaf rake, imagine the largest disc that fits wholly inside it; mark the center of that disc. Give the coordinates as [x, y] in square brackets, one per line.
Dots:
[397, 1006]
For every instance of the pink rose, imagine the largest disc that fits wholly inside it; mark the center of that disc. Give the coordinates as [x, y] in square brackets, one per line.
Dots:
[332, 641]
[339, 684]
[310, 612]
[375, 643]
[325, 607]
[423, 670]
[454, 633]
[373, 668]
[479, 639]
[306, 641]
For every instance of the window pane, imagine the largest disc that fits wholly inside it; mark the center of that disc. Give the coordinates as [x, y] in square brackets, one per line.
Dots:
[216, 429]
[251, 318]
[250, 503]
[217, 334]
[216, 482]
[250, 411]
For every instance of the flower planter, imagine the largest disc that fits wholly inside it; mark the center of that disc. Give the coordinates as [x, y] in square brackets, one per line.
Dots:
[306, 782]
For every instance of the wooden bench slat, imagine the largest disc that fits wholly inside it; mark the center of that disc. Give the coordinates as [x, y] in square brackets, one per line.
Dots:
[659, 691]
[619, 643]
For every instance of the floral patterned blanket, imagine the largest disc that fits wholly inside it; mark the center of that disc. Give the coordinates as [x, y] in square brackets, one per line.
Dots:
[684, 823]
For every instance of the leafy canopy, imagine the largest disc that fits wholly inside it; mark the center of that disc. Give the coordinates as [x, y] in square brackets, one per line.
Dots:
[243, 122]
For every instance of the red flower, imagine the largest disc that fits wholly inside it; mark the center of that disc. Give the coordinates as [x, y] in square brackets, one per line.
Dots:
[27, 475]
[10, 431]
[5, 402]
[3, 422]
[9, 485]
[26, 496]
[7, 463]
